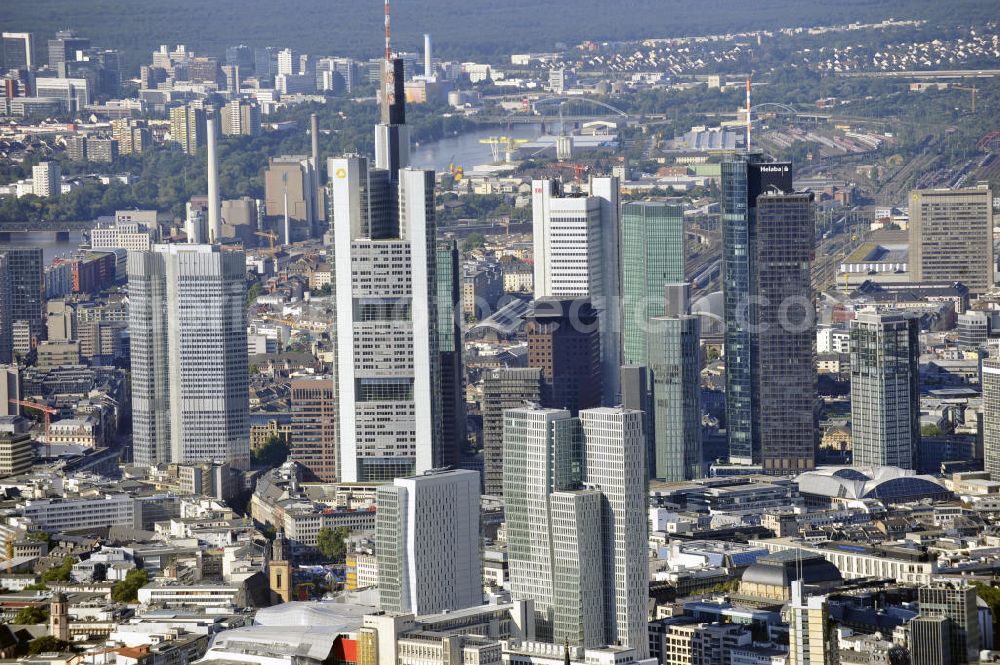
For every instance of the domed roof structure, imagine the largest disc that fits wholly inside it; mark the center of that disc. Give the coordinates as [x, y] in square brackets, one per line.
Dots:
[783, 568]
[890, 484]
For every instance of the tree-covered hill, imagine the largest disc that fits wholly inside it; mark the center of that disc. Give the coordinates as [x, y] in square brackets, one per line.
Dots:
[461, 28]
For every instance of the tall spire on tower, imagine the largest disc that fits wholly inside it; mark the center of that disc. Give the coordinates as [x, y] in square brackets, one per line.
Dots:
[388, 32]
[392, 138]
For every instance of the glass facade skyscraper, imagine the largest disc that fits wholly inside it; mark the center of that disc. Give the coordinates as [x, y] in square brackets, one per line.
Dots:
[507, 388]
[387, 379]
[744, 177]
[449, 335]
[675, 382]
[575, 496]
[652, 256]
[783, 362]
[885, 398]
[190, 373]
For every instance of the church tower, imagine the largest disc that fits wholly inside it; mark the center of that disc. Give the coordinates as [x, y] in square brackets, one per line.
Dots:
[59, 617]
[280, 570]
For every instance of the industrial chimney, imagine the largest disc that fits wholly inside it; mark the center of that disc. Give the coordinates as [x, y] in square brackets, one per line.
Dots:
[428, 67]
[214, 205]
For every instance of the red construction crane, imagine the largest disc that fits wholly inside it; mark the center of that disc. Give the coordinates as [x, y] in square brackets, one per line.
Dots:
[44, 408]
[578, 169]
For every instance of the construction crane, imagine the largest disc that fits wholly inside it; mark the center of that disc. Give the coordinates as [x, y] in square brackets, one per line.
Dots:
[457, 171]
[578, 169]
[509, 145]
[971, 90]
[47, 410]
[270, 235]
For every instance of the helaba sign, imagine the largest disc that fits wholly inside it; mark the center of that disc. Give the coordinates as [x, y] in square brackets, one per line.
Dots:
[775, 168]
[764, 177]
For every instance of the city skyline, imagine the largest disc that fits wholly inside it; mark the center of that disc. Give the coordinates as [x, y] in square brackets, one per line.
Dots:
[562, 345]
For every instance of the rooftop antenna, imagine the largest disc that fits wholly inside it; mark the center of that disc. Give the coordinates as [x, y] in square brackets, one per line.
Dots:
[748, 109]
[388, 48]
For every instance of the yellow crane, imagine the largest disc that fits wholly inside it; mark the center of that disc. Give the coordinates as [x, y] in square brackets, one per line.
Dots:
[972, 90]
[270, 235]
[507, 144]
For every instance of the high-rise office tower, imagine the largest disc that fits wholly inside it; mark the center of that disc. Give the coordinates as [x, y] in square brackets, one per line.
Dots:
[449, 332]
[566, 480]
[564, 341]
[6, 327]
[767, 248]
[427, 543]
[743, 179]
[784, 357]
[240, 56]
[25, 288]
[63, 48]
[314, 434]
[614, 453]
[577, 255]
[385, 329]
[265, 61]
[188, 127]
[543, 455]
[674, 375]
[652, 257]
[504, 389]
[810, 638]
[190, 372]
[885, 396]
[930, 640]
[289, 195]
[957, 602]
[951, 237]
[18, 51]
[392, 136]
[991, 417]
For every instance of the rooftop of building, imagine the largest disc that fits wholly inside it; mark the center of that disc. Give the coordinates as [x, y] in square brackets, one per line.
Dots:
[783, 568]
[888, 483]
[332, 616]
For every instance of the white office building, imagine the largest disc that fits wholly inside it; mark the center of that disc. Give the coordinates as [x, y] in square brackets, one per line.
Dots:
[576, 526]
[132, 236]
[386, 382]
[73, 93]
[46, 179]
[288, 61]
[427, 543]
[79, 512]
[577, 254]
[614, 449]
[189, 355]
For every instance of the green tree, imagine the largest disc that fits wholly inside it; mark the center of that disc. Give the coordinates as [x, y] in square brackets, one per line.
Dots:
[474, 240]
[127, 590]
[31, 615]
[60, 573]
[930, 429]
[991, 596]
[273, 453]
[332, 543]
[252, 293]
[47, 644]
